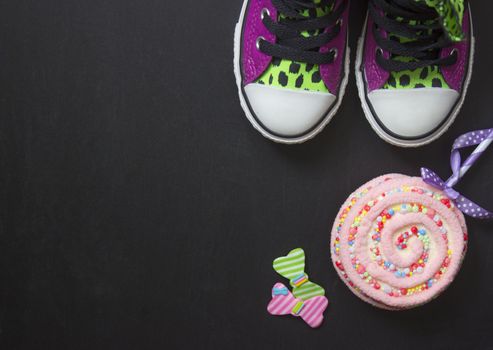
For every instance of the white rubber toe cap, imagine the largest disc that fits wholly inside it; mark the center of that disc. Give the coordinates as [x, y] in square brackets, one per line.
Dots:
[413, 112]
[288, 112]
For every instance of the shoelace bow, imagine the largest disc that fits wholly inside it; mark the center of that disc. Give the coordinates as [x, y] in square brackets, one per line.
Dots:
[290, 43]
[419, 25]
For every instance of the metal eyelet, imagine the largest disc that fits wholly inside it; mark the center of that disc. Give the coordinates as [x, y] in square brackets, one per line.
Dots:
[257, 43]
[340, 22]
[379, 50]
[455, 52]
[264, 12]
[334, 52]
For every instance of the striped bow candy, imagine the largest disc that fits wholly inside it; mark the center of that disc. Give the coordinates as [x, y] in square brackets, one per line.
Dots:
[292, 267]
[483, 138]
[284, 303]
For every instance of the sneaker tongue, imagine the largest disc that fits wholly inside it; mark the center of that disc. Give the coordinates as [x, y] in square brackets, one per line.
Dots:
[451, 14]
[322, 8]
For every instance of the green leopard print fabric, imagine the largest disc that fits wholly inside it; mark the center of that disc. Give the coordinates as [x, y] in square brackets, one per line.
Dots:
[293, 75]
[452, 13]
[283, 73]
[425, 77]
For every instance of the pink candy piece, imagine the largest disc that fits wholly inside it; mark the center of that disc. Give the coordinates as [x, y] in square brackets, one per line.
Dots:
[284, 303]
[370, 262]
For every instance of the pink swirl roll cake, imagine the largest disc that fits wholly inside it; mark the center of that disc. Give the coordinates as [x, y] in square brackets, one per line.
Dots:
[397, 242]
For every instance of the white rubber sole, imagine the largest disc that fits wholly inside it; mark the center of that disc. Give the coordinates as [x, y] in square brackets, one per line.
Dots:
[371, 118]
[244, 105]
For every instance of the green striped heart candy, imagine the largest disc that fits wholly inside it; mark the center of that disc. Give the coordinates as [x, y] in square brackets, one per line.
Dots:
[292, 267]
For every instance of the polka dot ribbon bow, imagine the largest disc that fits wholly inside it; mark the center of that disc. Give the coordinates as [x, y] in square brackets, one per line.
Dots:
[292, 267]
[284, 303]
[483, 138]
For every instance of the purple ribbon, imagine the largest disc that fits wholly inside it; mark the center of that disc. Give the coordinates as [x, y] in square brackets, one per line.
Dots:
[483, 138]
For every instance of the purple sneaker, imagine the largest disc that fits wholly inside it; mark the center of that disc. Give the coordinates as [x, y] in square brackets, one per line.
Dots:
[291, 65]
[413, 68]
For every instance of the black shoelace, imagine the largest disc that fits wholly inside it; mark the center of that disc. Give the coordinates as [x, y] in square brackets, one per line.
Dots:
[416, 22]
[290, 43]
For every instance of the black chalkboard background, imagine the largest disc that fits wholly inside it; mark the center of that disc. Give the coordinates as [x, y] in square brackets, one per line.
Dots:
[140, 210]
